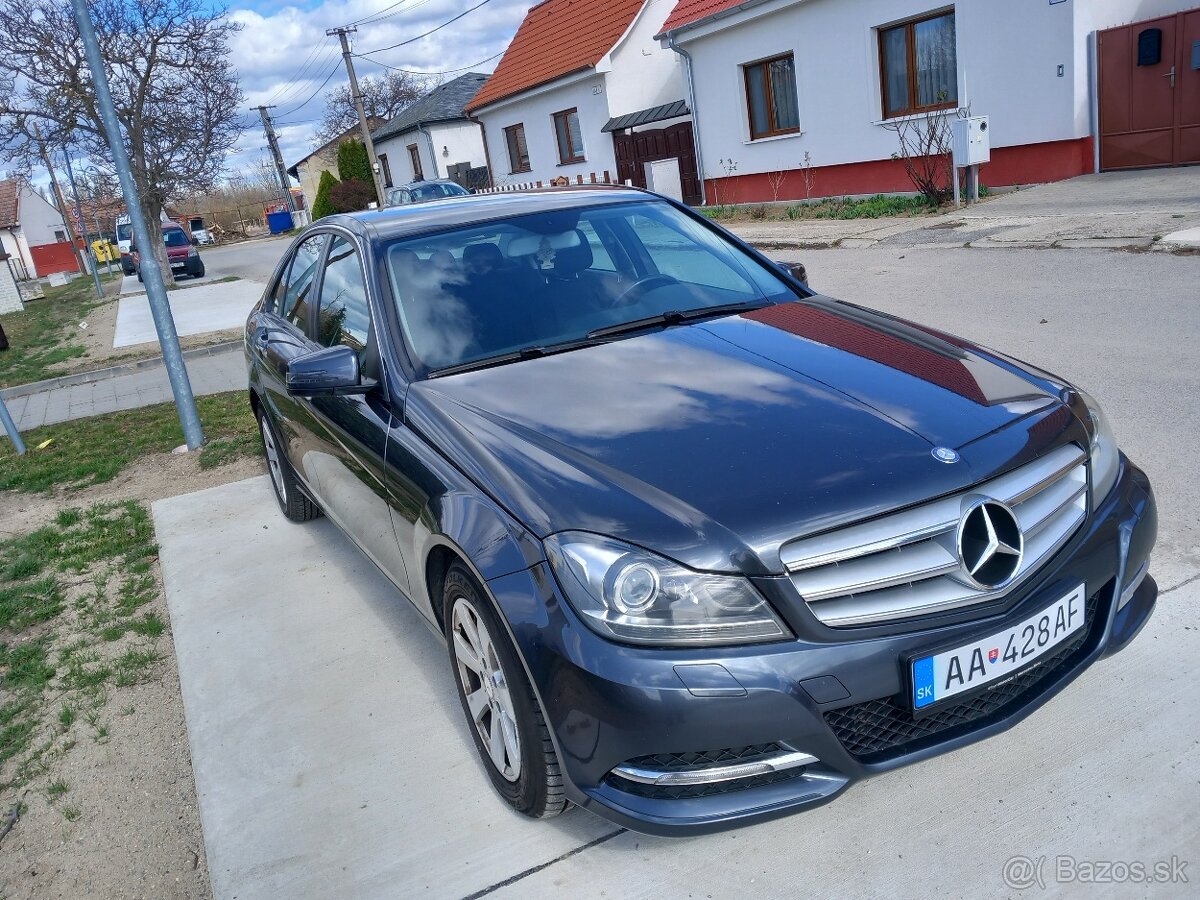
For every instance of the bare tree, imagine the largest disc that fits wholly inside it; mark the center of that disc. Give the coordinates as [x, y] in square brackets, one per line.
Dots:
[175, 94]
[925, 145]
[810, 177]
[776, 180]
[384, 97]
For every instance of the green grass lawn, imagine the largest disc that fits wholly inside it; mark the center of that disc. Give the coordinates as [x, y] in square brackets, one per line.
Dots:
[46, 333]
[83, 452]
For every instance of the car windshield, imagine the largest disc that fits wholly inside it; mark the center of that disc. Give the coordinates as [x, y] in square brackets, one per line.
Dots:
[124, 231]
[531, 283]
[174, 237]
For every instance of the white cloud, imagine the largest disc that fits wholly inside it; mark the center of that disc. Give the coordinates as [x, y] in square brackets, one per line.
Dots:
[282, 55]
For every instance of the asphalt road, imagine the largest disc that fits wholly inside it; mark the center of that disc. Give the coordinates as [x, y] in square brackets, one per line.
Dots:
[249, 259]
[1106, 772]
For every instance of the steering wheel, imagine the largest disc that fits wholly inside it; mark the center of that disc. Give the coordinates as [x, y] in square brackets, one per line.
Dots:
[644, 286]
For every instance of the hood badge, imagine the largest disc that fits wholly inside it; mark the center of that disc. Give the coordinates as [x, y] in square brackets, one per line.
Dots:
[946, 455]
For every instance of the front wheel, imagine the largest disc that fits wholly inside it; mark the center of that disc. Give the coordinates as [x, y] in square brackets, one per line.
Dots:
[502, 712]
[292, 501]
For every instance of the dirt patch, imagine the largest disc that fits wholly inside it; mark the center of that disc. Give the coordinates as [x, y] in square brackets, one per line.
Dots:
[101, 329]
[109, 800]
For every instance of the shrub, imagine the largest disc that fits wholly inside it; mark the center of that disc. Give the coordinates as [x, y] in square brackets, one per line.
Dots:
[322, 205]
[351, 196]
[353, 162]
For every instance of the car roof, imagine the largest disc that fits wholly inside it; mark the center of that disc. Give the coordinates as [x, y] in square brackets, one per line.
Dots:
[402, 221]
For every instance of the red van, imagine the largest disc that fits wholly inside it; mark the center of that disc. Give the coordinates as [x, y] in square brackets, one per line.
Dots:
[185, 259]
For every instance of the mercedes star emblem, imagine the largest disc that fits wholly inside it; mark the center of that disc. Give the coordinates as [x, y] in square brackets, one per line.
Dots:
[990, 544]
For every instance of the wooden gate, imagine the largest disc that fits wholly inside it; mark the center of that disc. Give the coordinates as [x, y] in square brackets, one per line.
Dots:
[635, 149]
[1150, 93]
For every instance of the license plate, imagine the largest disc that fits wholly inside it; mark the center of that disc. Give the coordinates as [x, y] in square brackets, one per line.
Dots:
[940, 676]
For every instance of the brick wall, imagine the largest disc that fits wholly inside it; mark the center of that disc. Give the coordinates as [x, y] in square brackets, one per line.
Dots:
[10, 297]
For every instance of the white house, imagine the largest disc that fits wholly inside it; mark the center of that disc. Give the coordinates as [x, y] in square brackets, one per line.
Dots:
[32, 233]
[434, 138]
[584, 91]
[784, 85]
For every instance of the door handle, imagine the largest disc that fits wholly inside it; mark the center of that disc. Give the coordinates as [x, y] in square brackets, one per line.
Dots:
[262, 337]
[1171, 75]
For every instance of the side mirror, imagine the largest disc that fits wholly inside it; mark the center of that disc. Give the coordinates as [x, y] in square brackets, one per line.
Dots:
[796, 270]
[328, 372]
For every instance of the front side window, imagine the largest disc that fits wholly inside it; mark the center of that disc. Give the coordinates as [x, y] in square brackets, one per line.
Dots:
[343, 316]
[414, 156]
[518, 150]
[300, 280]
[550, 279]
[569, 136]
[918, 64]
[771, 97]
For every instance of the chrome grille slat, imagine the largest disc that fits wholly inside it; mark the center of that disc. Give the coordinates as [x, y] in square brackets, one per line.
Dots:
[904, 565]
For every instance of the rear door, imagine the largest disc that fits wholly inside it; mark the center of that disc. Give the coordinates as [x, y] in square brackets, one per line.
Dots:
[280, 333]
[349, 461]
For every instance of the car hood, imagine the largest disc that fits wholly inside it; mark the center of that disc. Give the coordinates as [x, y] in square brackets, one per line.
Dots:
[716, 442]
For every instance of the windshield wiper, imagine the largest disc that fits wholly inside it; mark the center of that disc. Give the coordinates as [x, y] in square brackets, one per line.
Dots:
[524, 353]
[674, 317]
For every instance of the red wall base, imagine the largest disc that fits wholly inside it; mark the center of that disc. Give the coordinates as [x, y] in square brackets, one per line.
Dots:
[1024, 164]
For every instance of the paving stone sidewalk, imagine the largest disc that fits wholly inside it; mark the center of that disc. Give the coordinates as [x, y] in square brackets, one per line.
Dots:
[211, 373]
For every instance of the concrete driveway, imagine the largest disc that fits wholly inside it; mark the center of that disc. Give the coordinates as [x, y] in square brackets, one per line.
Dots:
[205, 308]
[331, 759]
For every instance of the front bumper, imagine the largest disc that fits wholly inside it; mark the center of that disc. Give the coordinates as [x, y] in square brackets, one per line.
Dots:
[837, 695]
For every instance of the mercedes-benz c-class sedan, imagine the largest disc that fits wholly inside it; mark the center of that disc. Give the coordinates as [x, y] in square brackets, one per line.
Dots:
[705, 547]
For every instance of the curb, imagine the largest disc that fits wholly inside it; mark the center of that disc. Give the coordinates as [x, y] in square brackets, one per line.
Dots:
[50, 384]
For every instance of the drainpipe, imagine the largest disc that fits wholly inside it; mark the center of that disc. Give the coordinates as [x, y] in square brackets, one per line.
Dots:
[432, 151]
[691, 87]
[487, 156]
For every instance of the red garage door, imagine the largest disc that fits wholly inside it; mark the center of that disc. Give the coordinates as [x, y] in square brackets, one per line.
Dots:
[1150, 93]
[51, 258]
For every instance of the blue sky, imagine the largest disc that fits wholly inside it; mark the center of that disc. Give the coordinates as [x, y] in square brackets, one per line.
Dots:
[283, 56]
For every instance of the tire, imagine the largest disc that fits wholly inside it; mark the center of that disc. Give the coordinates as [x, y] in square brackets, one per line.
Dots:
[198, 272]
[293, 502]
[527, 775]
[139, 275]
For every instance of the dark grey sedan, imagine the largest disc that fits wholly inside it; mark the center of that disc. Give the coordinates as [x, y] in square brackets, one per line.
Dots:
[704, 547]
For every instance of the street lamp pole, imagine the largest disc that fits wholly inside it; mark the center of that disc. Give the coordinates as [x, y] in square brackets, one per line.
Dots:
[156, 289]
[82, 223]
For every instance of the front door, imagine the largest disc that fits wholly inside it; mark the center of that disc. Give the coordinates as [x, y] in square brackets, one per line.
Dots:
[350, 461]
[1150, 93]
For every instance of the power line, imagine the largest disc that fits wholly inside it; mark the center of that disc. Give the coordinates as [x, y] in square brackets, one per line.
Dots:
[427, 33]
[300, 81]
[311, 96]
[303, 68]
[414, 72]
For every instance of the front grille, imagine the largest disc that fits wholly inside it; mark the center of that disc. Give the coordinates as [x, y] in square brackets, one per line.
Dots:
[906, 564]
[879, 729]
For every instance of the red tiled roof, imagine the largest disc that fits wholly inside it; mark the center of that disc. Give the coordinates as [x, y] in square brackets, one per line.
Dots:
[10, 188]
[558, 37]
[688, 11]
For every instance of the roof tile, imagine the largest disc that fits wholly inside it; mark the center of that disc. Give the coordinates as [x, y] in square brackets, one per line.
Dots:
[687, 12]
[557, 38]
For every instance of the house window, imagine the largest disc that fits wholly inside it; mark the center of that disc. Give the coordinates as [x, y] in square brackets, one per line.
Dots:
[570, 138]
[60, 236]
[918, 65]
[414, 156]
[771, 97]
[518, 150]
[385, 169]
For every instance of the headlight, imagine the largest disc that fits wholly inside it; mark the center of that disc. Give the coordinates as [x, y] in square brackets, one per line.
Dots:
[192, 251]
[1106, 460]
[632, 595]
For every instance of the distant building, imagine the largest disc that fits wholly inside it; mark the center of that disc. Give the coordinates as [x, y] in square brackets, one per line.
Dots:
[324, 159]
[585, 90]
[433, 138]
[32, 232]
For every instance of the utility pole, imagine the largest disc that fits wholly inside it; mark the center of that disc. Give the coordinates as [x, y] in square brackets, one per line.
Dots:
[156, 288]
[82, 222]
[358, 104]
[273, 143]
[58, 195]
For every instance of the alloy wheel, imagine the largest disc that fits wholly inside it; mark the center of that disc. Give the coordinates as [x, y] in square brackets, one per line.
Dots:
[483, 683]
[274, 465]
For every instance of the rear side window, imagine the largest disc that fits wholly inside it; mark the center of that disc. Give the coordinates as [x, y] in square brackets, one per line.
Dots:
[300, 280]
[343, 316]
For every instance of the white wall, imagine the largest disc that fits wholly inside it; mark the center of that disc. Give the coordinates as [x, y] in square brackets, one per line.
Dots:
[534, 108]
[39, 218]
[639, 72]
[1008, 53]
[463, 139]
